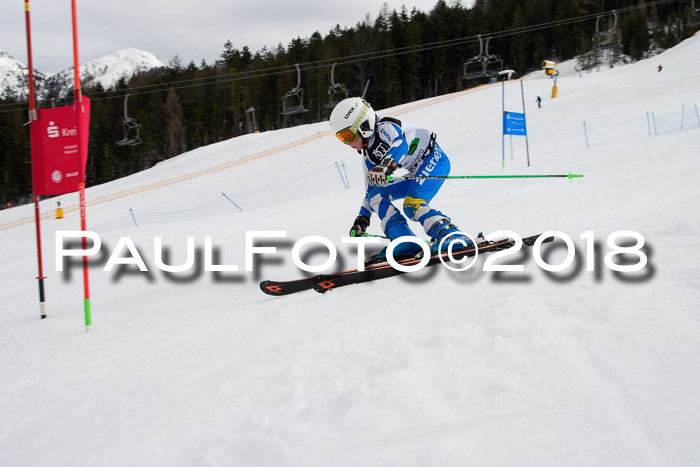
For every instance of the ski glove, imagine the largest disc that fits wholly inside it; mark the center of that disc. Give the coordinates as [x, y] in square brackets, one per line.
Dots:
[360, 226]
[378, 174]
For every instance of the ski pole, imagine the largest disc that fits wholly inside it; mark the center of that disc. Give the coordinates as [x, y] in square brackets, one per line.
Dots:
[458, 177]
[365, 234]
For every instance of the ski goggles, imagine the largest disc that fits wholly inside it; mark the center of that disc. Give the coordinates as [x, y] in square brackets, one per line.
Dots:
[347, 135]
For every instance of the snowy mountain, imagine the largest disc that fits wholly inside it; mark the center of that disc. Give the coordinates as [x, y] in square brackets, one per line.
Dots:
[14, 76]
[106, 71]
[582, 367]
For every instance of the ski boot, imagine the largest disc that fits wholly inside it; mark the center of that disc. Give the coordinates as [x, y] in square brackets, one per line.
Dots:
[405, 250]
[445, 229]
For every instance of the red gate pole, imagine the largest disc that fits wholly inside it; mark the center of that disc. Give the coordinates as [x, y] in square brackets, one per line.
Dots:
[78, 100]
[32, 118]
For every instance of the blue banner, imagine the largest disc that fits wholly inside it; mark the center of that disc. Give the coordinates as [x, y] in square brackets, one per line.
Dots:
[514, 124]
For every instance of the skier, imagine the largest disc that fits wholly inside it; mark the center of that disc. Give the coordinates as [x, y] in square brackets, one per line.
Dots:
[387, 144]
[539, 102]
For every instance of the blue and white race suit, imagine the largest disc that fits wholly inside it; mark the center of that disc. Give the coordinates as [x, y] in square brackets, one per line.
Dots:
[415, 150]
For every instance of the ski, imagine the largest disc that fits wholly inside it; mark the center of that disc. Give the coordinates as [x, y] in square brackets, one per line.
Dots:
[278, 288]
[325, 282]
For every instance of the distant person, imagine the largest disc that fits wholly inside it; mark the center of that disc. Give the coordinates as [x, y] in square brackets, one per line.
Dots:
[539, 102]
[660, 68]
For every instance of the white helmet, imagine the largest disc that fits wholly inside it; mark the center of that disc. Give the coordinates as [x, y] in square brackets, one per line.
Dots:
[352, 117]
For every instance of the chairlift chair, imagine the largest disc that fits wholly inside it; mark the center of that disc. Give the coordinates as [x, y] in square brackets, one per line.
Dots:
[293, 100]
[484, 65]
[608, 39]
[335, 89]
[132, 130]
[694, 16]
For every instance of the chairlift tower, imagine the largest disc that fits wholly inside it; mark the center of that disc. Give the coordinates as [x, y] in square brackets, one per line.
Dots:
[484, 65]
[132, 130]
[251, 122]
[335, 91]
[293, 100]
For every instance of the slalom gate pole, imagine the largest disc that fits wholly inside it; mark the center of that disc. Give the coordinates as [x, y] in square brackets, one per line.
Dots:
[463, 177]
[33, 117]
[503, 135]
[527, 144]
[78, 102]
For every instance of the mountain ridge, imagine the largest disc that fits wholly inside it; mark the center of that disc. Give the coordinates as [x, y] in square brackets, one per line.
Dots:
[105, 71]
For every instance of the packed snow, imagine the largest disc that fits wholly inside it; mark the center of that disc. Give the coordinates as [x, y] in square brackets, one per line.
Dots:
[570, 368]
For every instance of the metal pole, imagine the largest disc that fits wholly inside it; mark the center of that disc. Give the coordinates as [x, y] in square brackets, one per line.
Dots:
[585, 132]
[527, 144]
[232, 202]
[33, 117]
[478, 177]
[511, 148]
[133, 217]
[342, 179]
[78, 100]
[503, 113]
[345, 172]
[648, 125]
[682, 115]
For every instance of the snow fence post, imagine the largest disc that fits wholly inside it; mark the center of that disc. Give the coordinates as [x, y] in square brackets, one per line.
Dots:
[345, 184]
[648, 125]
[232, 202]
[682, 115]
[347, 178]
[133, 217]
[585, 132]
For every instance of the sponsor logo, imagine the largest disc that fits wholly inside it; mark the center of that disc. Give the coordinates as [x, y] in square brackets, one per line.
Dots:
[381, 150]
[52, 130]
[56, 175]
[347, 115]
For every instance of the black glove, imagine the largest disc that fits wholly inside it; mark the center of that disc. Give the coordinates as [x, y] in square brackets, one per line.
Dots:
[359, 227]
[378, 174]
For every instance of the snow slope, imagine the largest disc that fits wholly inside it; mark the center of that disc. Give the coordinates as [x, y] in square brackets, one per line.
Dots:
[574, 368]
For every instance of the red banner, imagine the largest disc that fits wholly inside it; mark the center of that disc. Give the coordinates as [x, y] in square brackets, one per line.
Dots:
[58, 159]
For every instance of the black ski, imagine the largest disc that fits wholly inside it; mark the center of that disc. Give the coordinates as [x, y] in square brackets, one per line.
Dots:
[286, 287]
[325, 282]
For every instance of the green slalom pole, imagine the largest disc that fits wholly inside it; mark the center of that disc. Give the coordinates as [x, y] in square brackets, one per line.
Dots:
[460, 177]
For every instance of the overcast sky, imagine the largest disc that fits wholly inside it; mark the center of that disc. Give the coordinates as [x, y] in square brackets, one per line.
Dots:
[193, 30]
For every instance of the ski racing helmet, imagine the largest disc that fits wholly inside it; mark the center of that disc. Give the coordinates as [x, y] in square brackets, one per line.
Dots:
[352, 117]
